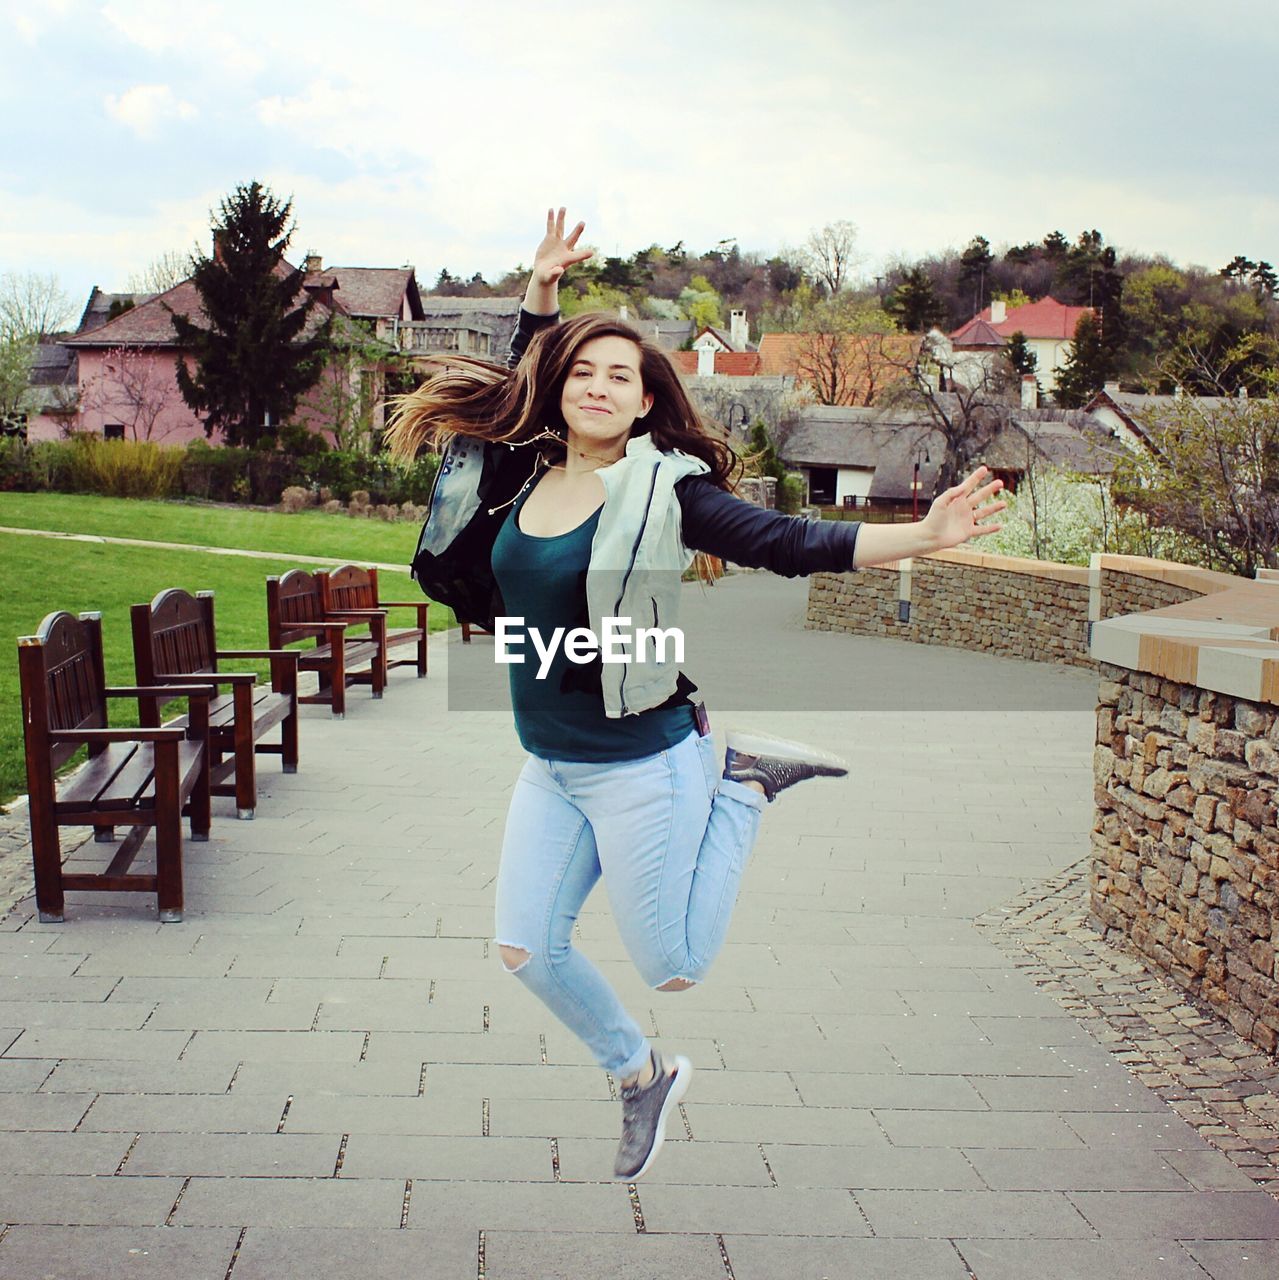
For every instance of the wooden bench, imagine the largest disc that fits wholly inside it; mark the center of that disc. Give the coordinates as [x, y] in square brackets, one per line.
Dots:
[470, 629]
[295, 612]
[146, 777]
[352, 592]
[174, 642]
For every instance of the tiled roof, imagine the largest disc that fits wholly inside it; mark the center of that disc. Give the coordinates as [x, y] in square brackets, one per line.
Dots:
[732, 364]
[97, 310]
[1146, 415]
[371, 291]
[978, 333]
[877, 354]
[149, 324]
[1046, 318]
[52, 364]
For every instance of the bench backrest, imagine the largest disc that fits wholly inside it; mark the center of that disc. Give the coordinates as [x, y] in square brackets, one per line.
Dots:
[173, 635]
[292, 599]
[348, 587]
[63, 683]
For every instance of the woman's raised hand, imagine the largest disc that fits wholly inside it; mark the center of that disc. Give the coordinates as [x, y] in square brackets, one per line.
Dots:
[558, 252]
[957, 514]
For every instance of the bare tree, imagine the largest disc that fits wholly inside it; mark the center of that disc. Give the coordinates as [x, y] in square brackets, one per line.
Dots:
[32, 304]
[830, 256]
[1211, 473]
[965, 401]
[135, 388]
[162, 273]
[847, 350]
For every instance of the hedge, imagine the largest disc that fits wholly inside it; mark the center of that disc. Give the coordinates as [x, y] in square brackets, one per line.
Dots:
[133, 469]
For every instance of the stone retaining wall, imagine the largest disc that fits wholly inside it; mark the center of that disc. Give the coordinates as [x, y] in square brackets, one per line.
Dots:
[1019, 608]
[1133, 593]
[1185, 846]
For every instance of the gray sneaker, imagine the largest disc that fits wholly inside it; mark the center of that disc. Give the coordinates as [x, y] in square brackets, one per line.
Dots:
[776, 763]
[644, 1112]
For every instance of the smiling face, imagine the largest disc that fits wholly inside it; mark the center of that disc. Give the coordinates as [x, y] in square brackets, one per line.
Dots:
[603, 395]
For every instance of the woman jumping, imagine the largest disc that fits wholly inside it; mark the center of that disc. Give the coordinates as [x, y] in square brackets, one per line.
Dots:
[622, 782]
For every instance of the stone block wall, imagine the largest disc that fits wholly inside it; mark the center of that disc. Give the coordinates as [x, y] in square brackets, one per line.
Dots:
[1185, 844]
[864, 603]
[1017, 615]
[1133, 593]
[986, 603]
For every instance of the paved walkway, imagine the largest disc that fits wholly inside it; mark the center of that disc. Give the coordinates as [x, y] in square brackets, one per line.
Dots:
[324, 1069]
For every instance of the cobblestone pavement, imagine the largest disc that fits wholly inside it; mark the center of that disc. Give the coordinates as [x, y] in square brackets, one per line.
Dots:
[324, 1068]
[1221, 1085]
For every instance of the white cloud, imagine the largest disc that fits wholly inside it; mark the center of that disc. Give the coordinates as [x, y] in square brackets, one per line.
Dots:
[146, 107]
[163, 28]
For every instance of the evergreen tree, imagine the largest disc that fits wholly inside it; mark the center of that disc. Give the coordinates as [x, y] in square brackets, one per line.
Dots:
[914, 304]
[1020, 356]
[252, 364]
[763, 449]
[1108, 293]
[974, 271]
[1086, 367]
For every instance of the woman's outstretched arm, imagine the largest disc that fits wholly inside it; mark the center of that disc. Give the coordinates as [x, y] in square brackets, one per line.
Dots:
[552, 258]
[736, 530]
[956, 515]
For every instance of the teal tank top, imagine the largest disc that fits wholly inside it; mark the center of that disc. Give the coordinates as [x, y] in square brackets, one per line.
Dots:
[542, 580]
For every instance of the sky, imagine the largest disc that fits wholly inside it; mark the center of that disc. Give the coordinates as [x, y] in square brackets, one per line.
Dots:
[437, 132]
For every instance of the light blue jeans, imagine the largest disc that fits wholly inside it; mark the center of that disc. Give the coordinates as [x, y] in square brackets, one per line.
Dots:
[670, 838]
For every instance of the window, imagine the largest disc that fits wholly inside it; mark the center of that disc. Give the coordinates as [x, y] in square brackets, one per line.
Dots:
[113, 431]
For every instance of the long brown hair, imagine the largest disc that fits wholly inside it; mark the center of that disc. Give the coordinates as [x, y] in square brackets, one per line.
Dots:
[471, 397]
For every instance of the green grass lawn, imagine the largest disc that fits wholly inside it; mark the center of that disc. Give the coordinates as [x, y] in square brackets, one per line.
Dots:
[44, 574]
[206, 524]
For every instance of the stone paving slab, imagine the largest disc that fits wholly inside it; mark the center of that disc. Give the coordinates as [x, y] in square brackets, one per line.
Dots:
[118, 1253]
[323, 1069]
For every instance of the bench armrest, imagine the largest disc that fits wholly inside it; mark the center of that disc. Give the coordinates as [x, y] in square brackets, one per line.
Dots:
[161, 691]
[403, 604]
[213, 677]
[284, 665]
[117, 735]
[291, 655]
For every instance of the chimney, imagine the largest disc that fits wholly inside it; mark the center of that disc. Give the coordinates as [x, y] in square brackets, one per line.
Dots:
[623, 313]
[314, 264]
[998, 311]
[1177, 391]
[1029, 391]
[218, 255]
[1242, 393]
[1111, 389]
[705, 361]
[738, 330]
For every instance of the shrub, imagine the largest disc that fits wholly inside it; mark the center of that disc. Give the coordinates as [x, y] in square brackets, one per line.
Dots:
[790, 493]
[296, 498]
[124, 468]
[35, 468]
[88, 464]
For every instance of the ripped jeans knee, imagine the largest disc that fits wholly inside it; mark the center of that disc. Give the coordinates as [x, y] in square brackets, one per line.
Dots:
[677, 984]
[514, 958]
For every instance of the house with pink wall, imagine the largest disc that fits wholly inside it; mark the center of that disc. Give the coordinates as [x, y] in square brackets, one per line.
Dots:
[124, 366]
